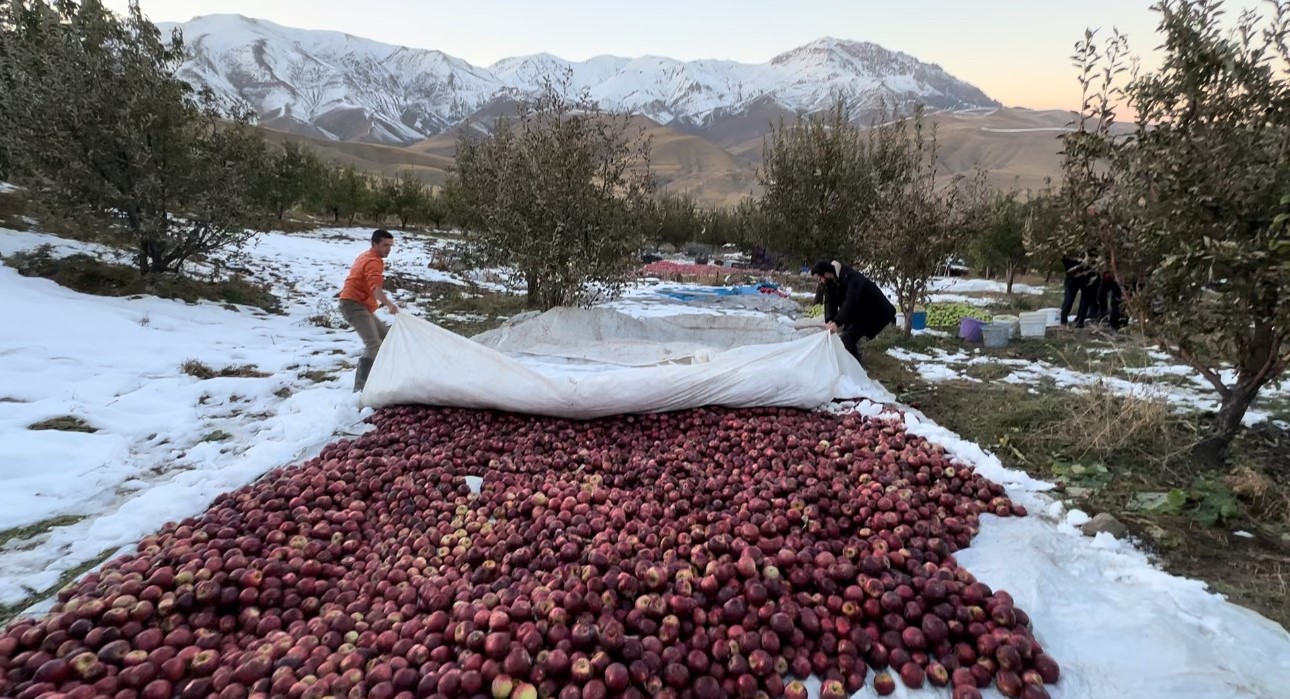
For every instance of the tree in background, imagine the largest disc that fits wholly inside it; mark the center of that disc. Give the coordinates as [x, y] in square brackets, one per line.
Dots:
[1189, 208]
[97, 124]
[1002, 243]
[1040, 228]
[378, 198]
[560, 194]
[676, 219]
[292, 173]
[818, 187]
[406, 196]
[344, 194]
[13, 82]
[920, 219]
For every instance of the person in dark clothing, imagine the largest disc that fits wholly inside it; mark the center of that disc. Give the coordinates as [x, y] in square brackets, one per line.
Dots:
[854, 306]
[1090, 300]
[1082, 281]
[1111, 302]
[1074, 286]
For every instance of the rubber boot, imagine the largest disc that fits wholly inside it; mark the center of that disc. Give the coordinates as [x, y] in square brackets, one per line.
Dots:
[360, 374]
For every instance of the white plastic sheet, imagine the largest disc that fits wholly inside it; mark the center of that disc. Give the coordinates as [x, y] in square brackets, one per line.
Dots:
[421, 363]
[607, 336]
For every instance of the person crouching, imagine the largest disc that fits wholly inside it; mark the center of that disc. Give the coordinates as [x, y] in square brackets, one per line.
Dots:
[854, 306]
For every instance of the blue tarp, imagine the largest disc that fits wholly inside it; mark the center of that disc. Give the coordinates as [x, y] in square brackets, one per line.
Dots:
[695, 293]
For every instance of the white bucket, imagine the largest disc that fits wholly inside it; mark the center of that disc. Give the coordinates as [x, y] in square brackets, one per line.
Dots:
[996, 334]
[1012, 321]
[1034, 327]
[1052, 316]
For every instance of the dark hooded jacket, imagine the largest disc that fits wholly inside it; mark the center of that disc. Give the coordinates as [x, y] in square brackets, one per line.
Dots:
[854, 300]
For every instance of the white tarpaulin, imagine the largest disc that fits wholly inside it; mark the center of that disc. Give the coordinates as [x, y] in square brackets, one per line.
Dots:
[421, 363]
[607, 336]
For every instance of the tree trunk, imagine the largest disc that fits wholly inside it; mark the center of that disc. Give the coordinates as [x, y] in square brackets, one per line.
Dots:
[149, 258]
[533, 298]
[1213, 449]
[907, 310]
[1012, 276]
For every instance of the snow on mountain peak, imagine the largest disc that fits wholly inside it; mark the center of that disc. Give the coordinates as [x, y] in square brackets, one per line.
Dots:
[333, 85]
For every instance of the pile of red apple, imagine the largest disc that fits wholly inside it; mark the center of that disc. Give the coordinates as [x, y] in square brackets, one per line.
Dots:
[710, 553]
[667, 267]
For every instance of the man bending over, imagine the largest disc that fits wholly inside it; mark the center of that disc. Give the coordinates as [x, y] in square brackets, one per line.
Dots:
[364, 288]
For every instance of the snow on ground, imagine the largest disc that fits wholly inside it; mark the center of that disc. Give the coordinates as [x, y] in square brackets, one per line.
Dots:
[1197, 395]
[960, 285]
[166, 443]
[18, 241]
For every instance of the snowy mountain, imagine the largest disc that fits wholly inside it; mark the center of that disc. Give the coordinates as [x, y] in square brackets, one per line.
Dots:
[340, 87]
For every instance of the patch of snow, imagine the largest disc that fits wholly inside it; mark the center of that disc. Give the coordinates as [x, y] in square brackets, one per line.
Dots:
[934, 366]
[165, 443]
[1160, 370]
[1243, 534]
[960, 285]
[12, 242]
[959, 298]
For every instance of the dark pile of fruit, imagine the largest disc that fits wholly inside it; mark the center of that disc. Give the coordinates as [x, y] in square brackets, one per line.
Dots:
[710, 553]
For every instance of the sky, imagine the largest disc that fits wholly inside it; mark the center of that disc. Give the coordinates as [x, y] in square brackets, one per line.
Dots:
[1017, 51]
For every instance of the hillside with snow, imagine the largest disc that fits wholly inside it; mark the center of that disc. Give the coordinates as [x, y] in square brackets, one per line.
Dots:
[341, 87]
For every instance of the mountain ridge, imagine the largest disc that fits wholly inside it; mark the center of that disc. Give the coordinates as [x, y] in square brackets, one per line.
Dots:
[389, 108]
[338, 86]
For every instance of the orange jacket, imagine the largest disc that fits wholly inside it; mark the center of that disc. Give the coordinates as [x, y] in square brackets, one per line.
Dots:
[368, 273]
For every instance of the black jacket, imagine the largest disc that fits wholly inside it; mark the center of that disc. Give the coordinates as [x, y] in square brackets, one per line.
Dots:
[854, 300]
[1081, 271]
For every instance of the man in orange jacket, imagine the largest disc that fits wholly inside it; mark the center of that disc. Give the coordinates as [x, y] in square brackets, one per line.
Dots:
[364, 288]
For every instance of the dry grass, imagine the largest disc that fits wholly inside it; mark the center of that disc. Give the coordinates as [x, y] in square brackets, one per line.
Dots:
[316, 375]
[91, 275]
[1102, 424]
[372, 157]
[66, 423]
[1271, 500]
[18, 534]
[201, 370]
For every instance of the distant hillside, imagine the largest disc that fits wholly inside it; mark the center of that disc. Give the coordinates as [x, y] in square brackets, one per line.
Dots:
[1019, 147]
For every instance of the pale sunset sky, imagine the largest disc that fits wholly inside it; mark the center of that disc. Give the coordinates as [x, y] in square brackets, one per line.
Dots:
[1017, 51]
